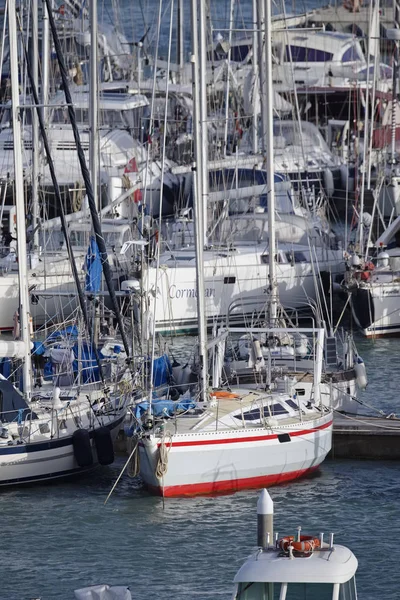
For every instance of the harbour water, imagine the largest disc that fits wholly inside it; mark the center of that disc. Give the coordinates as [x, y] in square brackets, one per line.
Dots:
[59, 537]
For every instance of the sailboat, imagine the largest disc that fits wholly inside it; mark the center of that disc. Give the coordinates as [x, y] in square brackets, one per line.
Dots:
[68, 425]
[374, 286]
[226, 439]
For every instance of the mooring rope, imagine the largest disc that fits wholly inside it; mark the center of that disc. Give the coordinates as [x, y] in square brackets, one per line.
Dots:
[163, 451]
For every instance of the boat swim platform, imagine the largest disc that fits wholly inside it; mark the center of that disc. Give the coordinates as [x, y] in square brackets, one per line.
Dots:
[367, 438]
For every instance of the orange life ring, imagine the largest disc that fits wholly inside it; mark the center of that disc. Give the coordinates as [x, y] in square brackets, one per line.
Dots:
[365, 276]
[307, 543]
[223, 394]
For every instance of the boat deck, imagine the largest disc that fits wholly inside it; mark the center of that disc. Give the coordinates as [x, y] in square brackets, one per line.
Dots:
[213, 417]
[342, 19]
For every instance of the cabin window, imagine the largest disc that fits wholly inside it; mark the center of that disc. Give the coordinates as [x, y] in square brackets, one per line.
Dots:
[265, 259]
[251, 415]
[239, 53]
[292, 404]
[348, 590]
[276, 409]
[258, 591]
[304, 54]
[352, 54]
[296, 257]
[257, 413]
[309, 591]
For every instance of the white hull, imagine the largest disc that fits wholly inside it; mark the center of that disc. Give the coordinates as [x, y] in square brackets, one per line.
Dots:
[376, 308]
[240, 277]
[227, 461]
[43, 460]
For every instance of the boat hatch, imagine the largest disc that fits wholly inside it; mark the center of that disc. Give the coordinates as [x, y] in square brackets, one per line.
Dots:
[295, 591]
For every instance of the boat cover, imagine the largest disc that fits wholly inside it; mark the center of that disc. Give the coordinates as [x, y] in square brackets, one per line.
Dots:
[12, 404]
[103, 592]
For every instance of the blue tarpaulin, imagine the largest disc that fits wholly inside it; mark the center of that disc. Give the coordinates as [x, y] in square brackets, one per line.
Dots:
[162, 370]
[70, 331]
[90, 368]
[161, 408]
[93, 267]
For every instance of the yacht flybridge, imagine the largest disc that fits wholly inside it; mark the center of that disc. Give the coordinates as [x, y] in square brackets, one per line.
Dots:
[294, 567]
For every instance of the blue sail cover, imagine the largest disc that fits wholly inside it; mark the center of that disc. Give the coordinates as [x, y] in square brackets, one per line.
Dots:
[93, 267]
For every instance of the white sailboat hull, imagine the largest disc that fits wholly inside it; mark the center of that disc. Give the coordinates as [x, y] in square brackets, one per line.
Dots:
[228, 461]
[46, 459]
[376, 308]
[241, 278]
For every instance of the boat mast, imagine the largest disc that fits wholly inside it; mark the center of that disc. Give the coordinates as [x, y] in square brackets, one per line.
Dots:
[266, 90]
[180, 43]
[259, 7]
[93, 95]
[35, 127]
[254, 67]
[228, 74]
[197, 204]
[45, 62]
[20, 202]
[202, 73]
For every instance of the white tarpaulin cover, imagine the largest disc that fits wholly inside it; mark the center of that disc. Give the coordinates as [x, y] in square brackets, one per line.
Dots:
[103, 592]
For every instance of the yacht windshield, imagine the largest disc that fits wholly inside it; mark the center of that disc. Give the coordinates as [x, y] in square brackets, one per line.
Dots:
[294, 591]
[289, 134]
[250, 230]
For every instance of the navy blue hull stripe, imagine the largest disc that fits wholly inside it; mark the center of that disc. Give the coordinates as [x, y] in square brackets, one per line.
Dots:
[50, 444]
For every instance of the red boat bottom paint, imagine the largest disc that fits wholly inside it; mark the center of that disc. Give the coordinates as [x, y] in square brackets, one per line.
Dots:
[229, 486]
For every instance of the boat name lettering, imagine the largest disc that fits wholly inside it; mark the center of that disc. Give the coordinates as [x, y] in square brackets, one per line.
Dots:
[175, 292]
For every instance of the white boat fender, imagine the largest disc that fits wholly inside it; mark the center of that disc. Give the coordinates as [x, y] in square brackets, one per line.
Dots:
[257, 352]
[329, 185]
[345, 181]
[57, 403]
[361, 373]
[16, 326]
[82, 448]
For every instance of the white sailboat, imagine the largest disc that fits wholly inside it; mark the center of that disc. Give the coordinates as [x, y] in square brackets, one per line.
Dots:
[66, 426]
[224, 440]
[375, 287]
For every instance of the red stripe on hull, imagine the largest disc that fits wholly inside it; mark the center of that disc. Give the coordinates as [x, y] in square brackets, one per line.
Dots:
[229, 486]
[260, 438]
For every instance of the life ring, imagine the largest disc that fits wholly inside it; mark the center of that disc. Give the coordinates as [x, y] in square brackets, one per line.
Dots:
[223, 394]
[365, 276]
[307, 543]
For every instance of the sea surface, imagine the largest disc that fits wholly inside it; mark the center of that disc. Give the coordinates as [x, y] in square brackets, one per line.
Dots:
[59, 537]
